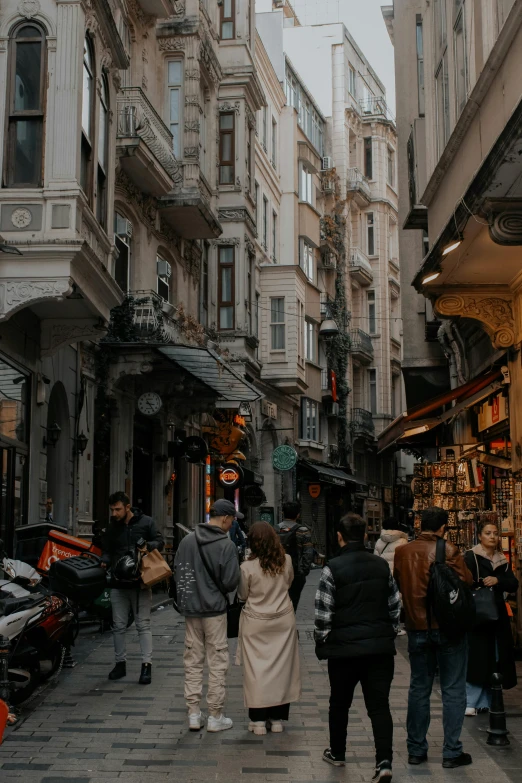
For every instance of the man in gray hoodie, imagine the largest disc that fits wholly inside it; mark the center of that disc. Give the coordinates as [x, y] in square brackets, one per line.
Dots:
[206, 568]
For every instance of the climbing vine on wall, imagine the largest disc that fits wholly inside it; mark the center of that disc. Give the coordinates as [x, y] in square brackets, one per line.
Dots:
[333, 230]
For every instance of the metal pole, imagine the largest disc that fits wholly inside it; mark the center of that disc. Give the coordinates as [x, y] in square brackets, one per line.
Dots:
[5, 689]
[497, 731]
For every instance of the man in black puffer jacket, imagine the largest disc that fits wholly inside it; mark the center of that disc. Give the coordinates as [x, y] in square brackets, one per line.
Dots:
[126, 528]
[357, 609]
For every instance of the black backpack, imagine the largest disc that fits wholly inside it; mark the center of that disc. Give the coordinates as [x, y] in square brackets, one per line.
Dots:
[448, 599]
[288, 539]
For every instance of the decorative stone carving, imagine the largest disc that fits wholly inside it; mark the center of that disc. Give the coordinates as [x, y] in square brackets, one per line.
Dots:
[139, 14]
[210, 61]
[179, 8]
[28, 8]
[507, 228]
[55, 334]
[249, 246]
[16, 294]
[147, 205]
[191, 153]
[192, 126]
[228, 106]
[21, 217]
[250, 117]
[227, 241]
[192, 100]
[493, 311]
[176, 44]
[192, 74]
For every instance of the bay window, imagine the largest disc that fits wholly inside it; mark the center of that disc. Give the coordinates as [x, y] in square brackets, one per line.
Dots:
[227, 19]
[309, 419]
[174, 78]
[103, 153]
[87, 119]
[305, 185]
[226, 148]
[26, 101]
[226, 288]
[277, 323]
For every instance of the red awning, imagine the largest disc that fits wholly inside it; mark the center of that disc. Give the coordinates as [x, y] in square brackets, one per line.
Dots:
[415, 421]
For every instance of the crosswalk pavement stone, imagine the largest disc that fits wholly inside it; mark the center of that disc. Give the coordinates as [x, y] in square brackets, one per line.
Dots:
[86, 729]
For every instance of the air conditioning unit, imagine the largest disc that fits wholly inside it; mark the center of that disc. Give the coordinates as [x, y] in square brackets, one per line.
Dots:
[329, 261]
[326, 163]
[123, 226]
[164, 268]
[328, 186]
[331, 409]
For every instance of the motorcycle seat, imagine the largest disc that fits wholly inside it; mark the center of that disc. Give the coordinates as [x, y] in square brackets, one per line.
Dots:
[12, 605]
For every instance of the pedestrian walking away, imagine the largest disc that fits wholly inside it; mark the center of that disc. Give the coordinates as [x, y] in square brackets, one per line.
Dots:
[297, 542]
[393, 535]
[267, 646]
[129, 529]
[357, 609]
[429, 647]
[206, 568]
[490, 646]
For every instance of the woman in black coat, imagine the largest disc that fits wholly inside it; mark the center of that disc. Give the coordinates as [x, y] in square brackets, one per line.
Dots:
[490, 644]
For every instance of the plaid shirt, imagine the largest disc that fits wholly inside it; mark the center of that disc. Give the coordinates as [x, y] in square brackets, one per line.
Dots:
[325, 604]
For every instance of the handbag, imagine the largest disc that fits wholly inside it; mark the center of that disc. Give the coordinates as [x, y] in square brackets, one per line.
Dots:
[233, 609]
[486, 607]
[153, 568]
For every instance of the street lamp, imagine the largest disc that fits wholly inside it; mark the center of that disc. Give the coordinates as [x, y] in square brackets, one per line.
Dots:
[81, 443]
[53, 435]
[328, 328]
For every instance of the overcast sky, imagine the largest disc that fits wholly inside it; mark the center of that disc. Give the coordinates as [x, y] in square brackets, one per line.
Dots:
[364, 20]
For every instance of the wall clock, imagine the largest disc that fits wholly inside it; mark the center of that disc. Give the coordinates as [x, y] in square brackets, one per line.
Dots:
[149, 403]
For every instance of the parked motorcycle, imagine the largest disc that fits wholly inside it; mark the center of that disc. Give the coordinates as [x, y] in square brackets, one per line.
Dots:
[38, 624]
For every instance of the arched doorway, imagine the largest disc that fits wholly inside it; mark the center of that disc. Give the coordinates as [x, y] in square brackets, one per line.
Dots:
[58, 456]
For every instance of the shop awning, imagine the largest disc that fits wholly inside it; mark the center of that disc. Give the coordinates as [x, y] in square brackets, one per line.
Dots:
[330, 475]
[208, 366]
[415, 421]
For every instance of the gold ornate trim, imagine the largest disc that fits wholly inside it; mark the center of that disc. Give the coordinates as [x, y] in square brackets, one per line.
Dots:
[493, 311]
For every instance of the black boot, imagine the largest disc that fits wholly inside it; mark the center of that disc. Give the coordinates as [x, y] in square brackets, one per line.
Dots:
[146, 674]
[119, 671]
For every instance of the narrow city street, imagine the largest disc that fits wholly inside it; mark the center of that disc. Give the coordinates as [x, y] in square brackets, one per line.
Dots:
[88, 730]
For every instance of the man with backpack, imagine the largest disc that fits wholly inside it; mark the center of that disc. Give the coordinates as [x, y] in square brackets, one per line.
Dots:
[434, 582]
[297, 542]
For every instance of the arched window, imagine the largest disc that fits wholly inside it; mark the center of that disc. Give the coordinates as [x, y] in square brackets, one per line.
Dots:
[26, 106]
[87, 119]
[103, 152]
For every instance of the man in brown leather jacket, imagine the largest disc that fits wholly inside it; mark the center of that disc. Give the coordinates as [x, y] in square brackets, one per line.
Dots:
[429, 647]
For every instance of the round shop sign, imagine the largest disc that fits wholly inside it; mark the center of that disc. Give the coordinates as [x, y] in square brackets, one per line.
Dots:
[195, 449]
[314, 490]
[284, 458]
[254, 495]
[230, 475]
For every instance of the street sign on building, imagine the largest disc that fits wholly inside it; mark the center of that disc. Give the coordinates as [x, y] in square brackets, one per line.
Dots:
[284, 458]
[269, 409]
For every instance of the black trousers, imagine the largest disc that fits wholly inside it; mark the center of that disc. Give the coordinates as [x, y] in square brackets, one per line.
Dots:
[375, 673]
[295, 590]
[280, 712]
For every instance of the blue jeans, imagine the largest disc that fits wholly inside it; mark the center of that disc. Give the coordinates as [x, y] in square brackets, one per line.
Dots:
[427, 649]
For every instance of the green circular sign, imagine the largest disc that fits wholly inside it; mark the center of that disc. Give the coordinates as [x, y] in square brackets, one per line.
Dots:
[284, 458]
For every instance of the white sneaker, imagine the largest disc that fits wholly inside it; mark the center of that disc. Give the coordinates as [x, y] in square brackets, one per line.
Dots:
[470, 712]
[257, 726]
[401, 632]
[275, 726]
[218, 724]
[195, 721]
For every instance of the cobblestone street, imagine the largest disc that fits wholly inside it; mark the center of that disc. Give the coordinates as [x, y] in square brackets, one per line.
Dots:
[89, 730]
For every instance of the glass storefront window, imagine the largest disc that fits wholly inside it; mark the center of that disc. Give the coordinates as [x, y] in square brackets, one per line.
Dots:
[14, 387]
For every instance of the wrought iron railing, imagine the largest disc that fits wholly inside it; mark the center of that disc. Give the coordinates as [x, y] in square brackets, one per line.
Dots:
[137, 117]
[362, 422]
[361, 342]
[356, 180]
[143, 316]
[376, 107]
[358, 258]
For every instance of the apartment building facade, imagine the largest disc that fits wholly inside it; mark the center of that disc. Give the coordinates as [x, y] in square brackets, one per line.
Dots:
[363, 187]
[458, 107]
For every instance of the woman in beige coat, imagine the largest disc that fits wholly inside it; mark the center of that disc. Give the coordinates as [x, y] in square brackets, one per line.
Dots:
[267, 644]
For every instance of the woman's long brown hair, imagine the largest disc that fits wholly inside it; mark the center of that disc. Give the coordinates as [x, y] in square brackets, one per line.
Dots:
[266, 545]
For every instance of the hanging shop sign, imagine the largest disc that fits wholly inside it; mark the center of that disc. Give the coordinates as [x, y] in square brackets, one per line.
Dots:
[254, 495]
[492, 412]
[314, 490]
[230, 475]
[267, 514]
[269, 409]
[195, 449]
[333, 385]
[284, 458]
[245, 411]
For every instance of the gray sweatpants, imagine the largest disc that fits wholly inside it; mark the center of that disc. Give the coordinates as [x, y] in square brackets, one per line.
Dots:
[140, 602]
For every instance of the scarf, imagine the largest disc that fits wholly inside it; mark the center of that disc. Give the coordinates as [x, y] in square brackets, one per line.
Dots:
[497, 558]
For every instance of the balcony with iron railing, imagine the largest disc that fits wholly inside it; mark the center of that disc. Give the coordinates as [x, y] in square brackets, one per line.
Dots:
[144, 317]
[144, 144]
[376, 107]
[361, 346]
[358, 185]
[361, 423]
[360, 267]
